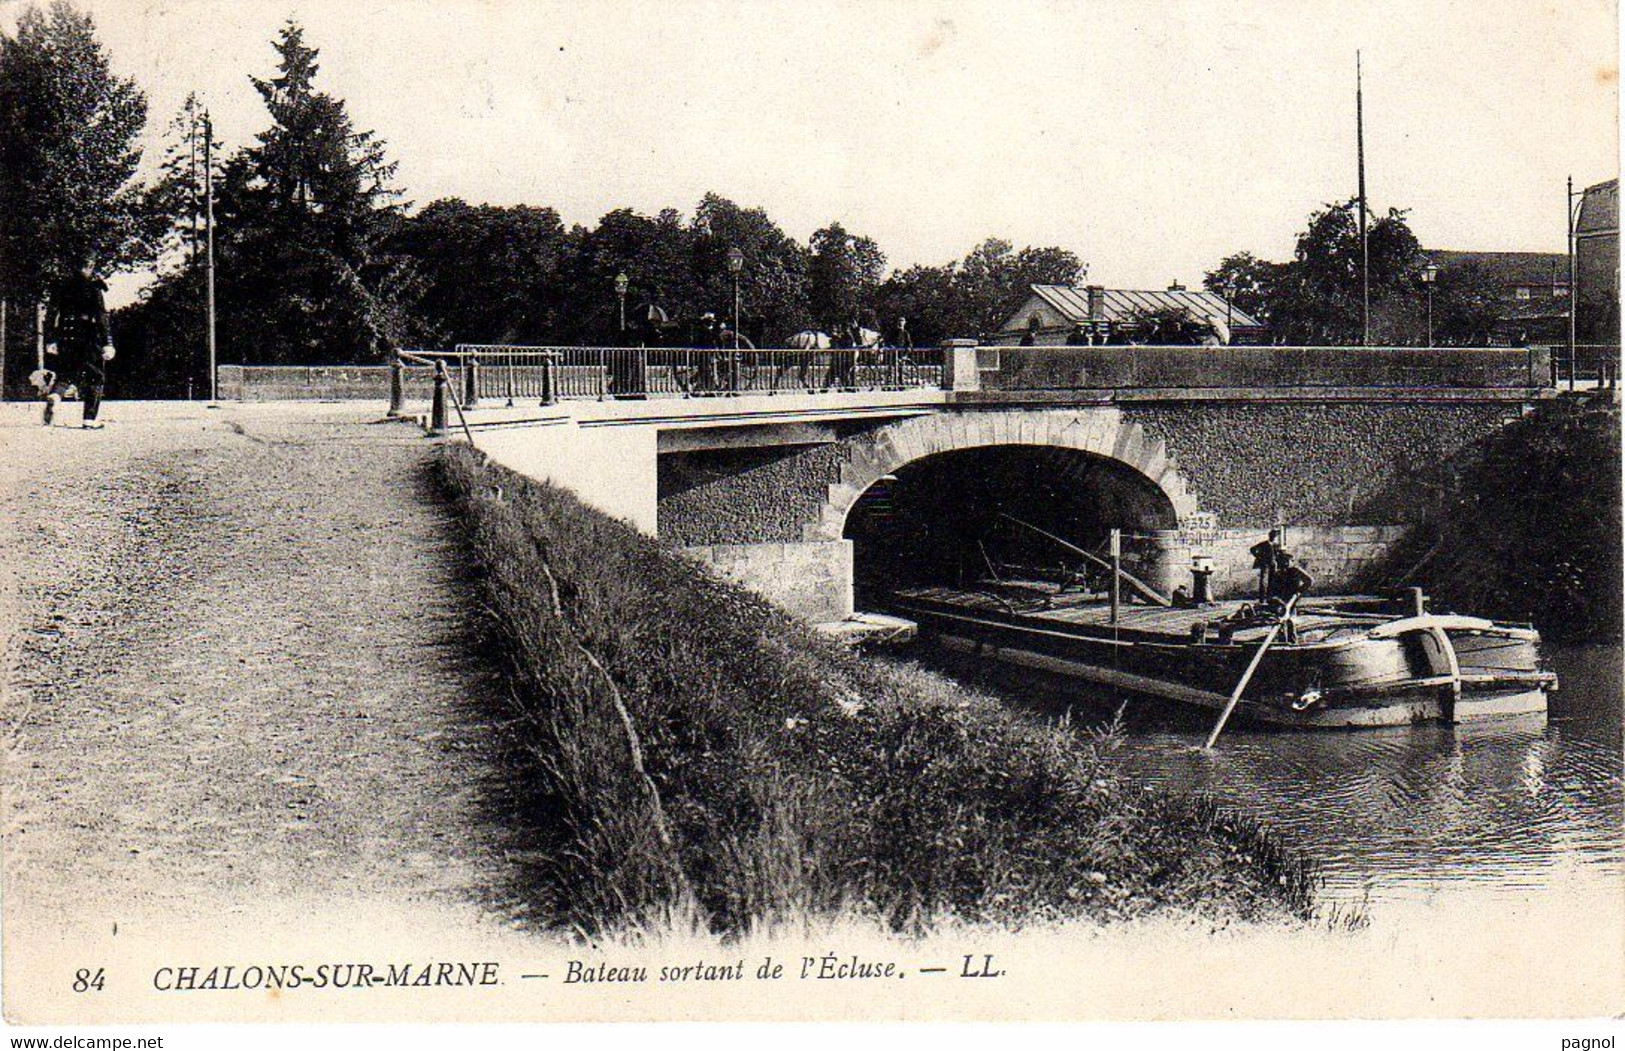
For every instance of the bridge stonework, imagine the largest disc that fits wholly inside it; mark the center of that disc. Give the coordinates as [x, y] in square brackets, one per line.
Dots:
[1346, 476]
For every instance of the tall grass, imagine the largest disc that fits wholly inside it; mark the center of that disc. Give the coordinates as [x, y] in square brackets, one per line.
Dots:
[686, 751]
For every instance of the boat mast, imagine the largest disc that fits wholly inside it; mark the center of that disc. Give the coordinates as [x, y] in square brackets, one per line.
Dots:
[1365, 248]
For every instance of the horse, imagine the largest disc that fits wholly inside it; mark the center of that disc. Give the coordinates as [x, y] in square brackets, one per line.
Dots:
[810, 339]
[807, 341]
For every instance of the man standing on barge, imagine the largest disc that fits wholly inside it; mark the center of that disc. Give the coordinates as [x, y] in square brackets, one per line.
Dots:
[1266, 553]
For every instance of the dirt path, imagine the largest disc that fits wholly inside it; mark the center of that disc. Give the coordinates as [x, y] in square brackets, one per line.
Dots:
[237, 664]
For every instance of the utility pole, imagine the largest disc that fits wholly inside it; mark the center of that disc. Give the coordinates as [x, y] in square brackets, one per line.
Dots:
[191, 169]
[208, 258]
[1365, 248]
[1574, 299]
[1117, 571]
[2, 348]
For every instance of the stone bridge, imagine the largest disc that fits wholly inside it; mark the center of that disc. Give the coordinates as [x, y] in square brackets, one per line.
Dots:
[801, 495]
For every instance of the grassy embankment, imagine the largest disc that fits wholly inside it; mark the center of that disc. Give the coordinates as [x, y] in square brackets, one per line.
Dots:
[1528, 527]
[685, 752]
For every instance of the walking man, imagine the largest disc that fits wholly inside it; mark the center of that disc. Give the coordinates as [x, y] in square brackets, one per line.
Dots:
[76, 333]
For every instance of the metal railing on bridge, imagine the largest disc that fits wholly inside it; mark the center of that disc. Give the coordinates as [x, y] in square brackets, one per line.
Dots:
[1590, 366]
[511, 375]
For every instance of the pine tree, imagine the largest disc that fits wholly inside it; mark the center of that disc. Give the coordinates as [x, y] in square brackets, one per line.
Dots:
[303, 219]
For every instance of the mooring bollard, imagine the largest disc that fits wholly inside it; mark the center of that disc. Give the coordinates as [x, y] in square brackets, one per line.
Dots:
[397, 386]
[439, 421]
[471, 382]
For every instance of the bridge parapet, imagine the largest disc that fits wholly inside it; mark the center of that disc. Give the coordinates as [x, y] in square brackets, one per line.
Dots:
[1241, 367]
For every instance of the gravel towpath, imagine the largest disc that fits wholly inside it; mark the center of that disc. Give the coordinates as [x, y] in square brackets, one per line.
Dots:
[237, 665]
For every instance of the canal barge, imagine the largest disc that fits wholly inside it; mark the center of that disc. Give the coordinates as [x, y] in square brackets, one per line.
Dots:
[1342, 661]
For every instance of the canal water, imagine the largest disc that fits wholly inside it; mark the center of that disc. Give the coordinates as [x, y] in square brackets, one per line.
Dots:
[1393, 816]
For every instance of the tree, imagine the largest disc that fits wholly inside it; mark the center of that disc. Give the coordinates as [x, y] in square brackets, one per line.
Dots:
[656, 255]
[176, 198]
[843, 275]
[926, 296]
[162, 336]
[1167, 326]
[305, 216]
[993, 280]
[773, 282]
[1316, 299]
[492, 275]
[1254, 286]
[1466, 305]
[69, 150]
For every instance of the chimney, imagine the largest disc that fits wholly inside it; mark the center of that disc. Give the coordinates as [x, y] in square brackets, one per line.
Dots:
[1097, 302]
[1175, 286]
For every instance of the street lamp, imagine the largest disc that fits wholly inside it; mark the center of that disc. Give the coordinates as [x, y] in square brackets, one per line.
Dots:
[736, 263]
[620, 293]
[1430, 274]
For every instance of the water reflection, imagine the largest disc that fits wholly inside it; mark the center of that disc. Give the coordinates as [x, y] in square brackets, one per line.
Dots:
[1394, 814]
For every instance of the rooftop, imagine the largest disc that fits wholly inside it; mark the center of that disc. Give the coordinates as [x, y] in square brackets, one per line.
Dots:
[1120, 304]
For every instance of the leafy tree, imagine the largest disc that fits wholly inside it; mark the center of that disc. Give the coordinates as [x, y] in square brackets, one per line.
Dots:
[926, 296]
[843, 276]
[162, 339]
[177, 196]
[492, 275]
[1316, 298]
[1255, 286]
[974, 296]
[657, 256]
[69, 150]
[993, 280]
[162, 336]
[1168, 326]
[1466, 305]
[69, 131]
[773, 282]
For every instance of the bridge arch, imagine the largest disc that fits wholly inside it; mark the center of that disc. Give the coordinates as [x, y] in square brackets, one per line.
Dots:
[1100, 432]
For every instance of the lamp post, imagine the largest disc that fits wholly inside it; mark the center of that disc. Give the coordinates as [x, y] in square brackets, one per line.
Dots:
[1229, 309]
[620, 294]
[208, 258]
[736, 263]
[1430, 275]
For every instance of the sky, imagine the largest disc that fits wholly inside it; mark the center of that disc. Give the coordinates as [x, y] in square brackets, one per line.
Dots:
[1152, 139]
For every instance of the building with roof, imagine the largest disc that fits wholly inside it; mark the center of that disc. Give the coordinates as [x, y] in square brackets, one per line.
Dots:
[1596, 265]
[1057, 314]
[1532, 303]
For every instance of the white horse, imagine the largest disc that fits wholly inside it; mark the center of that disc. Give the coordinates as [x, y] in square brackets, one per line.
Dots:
[810, 339]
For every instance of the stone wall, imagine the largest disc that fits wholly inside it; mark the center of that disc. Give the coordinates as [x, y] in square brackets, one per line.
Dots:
[1337, 556]
[812, 580]
[1252, 368]
[733, 496]
[1320, 463]
[318, 383]
[1310, 463]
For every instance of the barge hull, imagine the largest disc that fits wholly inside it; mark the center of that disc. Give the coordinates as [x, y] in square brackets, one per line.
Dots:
[1396, 673]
